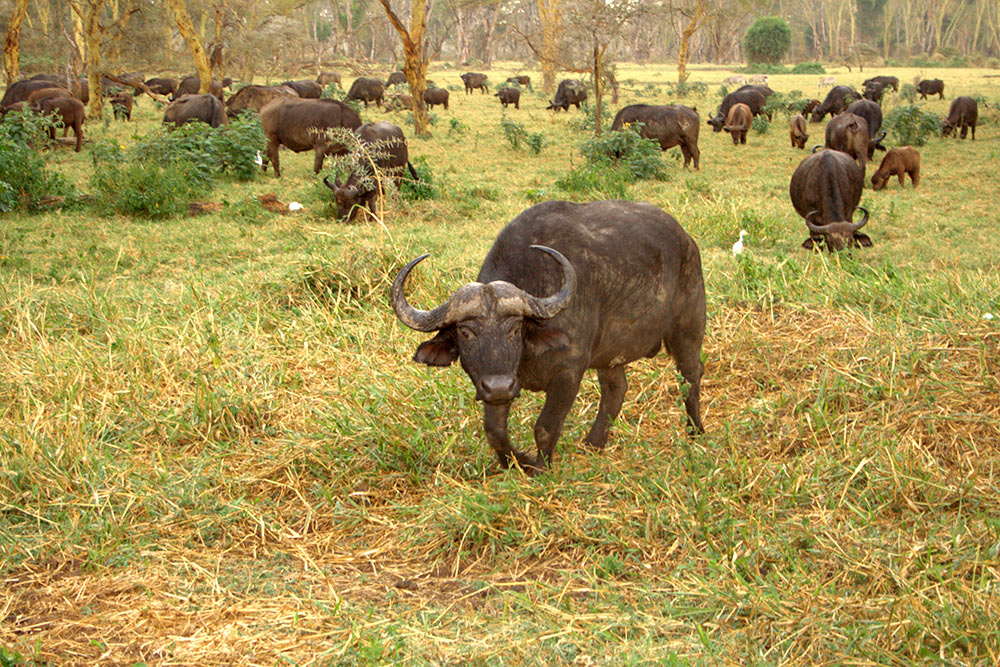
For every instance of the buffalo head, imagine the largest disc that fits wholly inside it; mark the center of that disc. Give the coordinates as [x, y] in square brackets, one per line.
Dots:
[717, 122]
[347, 194]
[487, 326]
[837, 235]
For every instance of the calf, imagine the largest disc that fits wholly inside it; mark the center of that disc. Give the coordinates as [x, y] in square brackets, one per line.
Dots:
[797, 131]
[897, 162]
[738, 123]
[434, 96]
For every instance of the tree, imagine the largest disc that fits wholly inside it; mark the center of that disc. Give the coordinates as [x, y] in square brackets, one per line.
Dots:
[12, 42]
[550, 20]
[695, 16]
[768, 40]
[186, 28]
[416, 58]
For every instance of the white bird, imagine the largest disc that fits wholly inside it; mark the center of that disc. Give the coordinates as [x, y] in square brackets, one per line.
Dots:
[988, 316]
[259, 160]
[294, 206]
[738, 246]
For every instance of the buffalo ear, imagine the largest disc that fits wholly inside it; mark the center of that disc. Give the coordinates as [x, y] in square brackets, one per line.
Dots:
[809, 244]
[863, 240]
[538, 338]
[441, 350]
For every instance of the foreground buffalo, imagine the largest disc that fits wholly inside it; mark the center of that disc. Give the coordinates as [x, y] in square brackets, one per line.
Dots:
[187, 108]
[303, 125]
[836, 101]
[69, 110]
[963, 113]
[384, 146]
[521, 80]
[570, 91]
[191, 85]
[752, 96]
[473, 81]
[825, 189]
[798, 131]
[897, 162]
[434, 96]
[567, 287]
[670, 125]
[162, 85]
[848, 134]
[509, 96]
[931, 87]
[306, 89]
[396, 79]
[255, 97]
[872, 113]
[367, 90]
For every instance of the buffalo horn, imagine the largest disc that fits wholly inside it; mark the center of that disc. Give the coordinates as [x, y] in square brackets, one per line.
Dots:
[546, 307]
[858, 225]
[880, 137]
[326, 181]
[421, 320]
[813, 227]
[817, 147]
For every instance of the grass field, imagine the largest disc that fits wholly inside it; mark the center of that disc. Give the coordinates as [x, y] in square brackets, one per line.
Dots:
[215, 450]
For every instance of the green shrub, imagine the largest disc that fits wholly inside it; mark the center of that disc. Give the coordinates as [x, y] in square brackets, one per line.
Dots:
[684, 88]
[419, 189]
[640, 157]
[604, 180]
[208, 152]
[760, 124]
[808, 68]
[143, 188]
[25, 181]
[768, 40]
[910, 125]
[516, 135]
[908, 92]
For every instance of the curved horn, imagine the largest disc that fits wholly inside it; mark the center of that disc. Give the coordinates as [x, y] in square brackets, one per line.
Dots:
[421, 320]
[326, 181]
[855, 226]
[813, 227]
[544, 308]
[818, 147]
[880, 137]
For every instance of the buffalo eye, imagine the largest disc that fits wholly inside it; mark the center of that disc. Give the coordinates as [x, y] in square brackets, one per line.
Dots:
[466, 332]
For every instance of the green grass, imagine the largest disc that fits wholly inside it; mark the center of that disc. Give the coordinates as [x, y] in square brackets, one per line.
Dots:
[214, 448]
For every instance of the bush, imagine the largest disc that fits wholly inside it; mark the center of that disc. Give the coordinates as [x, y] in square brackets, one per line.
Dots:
[762, 68]
[143, 188]
[608, 181]
[908, 93]
[516, 135]
[760, 124]
[420, 189]
[768, 40]
[625, 147]
[808, 68]
[25, 182]
[910, 125]
[683, 88]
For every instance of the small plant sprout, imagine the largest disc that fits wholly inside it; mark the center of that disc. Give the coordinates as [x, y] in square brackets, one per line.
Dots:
[738, 246]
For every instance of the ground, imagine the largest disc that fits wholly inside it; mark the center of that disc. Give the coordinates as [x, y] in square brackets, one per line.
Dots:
[214, 448]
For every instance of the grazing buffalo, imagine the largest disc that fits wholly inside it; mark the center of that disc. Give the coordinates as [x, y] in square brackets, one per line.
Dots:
[191, 85]
[798, 131]
[474, 80]
[509, 96]
[963, 113]
[521, 80]
[396, 79]
[434, 96]
[836, 101]
[872, 113]
[931, 87]
[188, 108]
[367, 90]
[884, 81]
[809, 107]
[763, 89]
[848, 133]
[570, 91]
[825, 189]
[20, 90]
[58, 79]
[567, 287]
[16, 107]
[874, 91]
[121, 105]
[738, 123]
[255, 97]
[326, 78]
[162, 85]
[67, 109]
[670, 125]
[399, 102]
[384, 145]
[752, 96]
[897, 162]
[303, 125]
[306, 89]
[43, 93]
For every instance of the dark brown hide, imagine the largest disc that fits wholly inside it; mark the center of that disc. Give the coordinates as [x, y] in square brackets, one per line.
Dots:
[301, 125]
[669, 125]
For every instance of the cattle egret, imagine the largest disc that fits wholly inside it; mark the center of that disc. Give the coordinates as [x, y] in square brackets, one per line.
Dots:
[259, 160]
[738, 246]
[294, 206]
[988, 316]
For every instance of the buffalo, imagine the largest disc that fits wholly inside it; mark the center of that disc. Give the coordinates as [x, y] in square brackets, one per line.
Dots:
[399, 102]
[808, 108]
[884, 81]
[367, 90]
[384, 147]
[509, 96]
[69, 110]
[162, 85]
[473, 81]
[521, 80]
[306, 89]
[396, 79]
[738, 123]
[848, 133]
[255, 97]
[567, 287]
[931, 87]
[570, 91]
[670, 125]
[121, 105]
[798, 131]
[326, 78]
[873, 91]
[20, 90]
[752, 96]
[434, 96]
[825, 189]
[303, 125]
[872, 113]
[43, 93]
[192, 84]
[963, 113]
[897, 162]
[836, 101]
[188, 108]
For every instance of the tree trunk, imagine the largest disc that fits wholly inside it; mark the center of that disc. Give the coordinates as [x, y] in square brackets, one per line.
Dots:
[490, 27]
[598, 84]
[12, 43]
[415, 67]
[689, 30]
[186, 28]
[550, 17]
[92, 33]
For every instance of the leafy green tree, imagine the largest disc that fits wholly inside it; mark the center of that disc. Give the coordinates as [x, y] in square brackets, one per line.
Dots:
[768, 40]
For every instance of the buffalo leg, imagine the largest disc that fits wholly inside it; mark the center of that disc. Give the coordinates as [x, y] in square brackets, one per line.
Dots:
[613, 386]
[318, 160]
[685, 348]
[272, 156]
[559, 399]
[915, 176]
[495, 424]
[78, 131]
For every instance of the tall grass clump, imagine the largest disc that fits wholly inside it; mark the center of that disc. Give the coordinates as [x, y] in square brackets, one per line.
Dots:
[516, 136]
[25, 180]
[615, 160]
[911, 125]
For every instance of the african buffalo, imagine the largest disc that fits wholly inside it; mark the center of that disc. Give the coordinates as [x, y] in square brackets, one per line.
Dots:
[367, 90]
[963, 113]
[931, 87]
[399, 102]
[396, 78]
[69, 110]
[628, 283]
[42, 93]
[808, 108]
[570, 91]
[162, 85]
[873, 91]
[738, 123]
[306, 89]
[20, 90]
[884, 81]
[670, 125]
[474, 80]
[326, 78]
[187, 108]
[509, 96]
[848, 133]
[872, 113]
[825, 189]
[836, 101]
[798, 131]
[521, 80]
[302, 125]
[191, 85]
[255, 97]
[384, 145]
[897, 162]
[752, 96]
[434, 96]
[121, 105]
